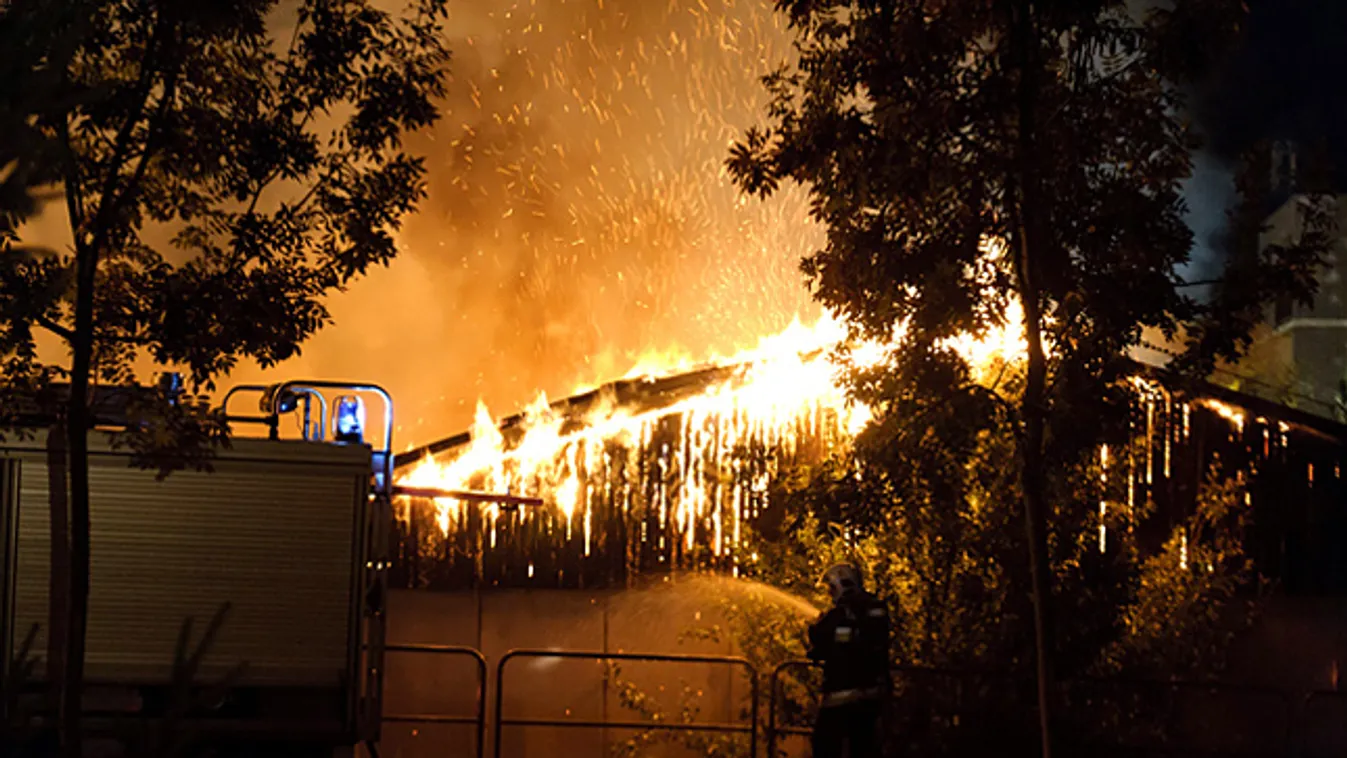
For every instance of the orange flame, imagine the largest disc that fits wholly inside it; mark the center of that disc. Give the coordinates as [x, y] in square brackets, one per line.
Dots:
[789, 392]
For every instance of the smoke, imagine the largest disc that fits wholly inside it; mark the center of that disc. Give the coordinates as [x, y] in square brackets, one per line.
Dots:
[1282, 83]
[579, 216]
[1211, 195]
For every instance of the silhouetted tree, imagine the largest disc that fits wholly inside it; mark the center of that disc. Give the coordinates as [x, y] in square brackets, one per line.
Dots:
[224, 165]
[1053, 128]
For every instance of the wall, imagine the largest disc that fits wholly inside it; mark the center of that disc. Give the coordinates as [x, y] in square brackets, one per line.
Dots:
[648, 621]
[1318, 333]
[1297, 645]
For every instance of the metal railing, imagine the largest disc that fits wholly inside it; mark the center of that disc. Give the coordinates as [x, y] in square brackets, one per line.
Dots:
[751, 728]
[773, 696]
[1252, 720]
[477, 720]
[1095, 692]
[1332, 743]
[1296, 736]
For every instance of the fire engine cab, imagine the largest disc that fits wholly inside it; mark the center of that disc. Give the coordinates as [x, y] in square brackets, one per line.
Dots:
[287, 535]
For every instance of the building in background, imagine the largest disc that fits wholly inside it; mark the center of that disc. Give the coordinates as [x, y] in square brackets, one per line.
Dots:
[1302, 353]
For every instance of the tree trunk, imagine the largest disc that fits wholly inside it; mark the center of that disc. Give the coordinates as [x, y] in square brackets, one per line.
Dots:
[1033, 402]
[58, 585]
[1035, 522]
[79, 422]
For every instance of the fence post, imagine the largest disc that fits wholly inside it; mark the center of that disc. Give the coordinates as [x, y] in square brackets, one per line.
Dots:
[478, 720]
[500, 700]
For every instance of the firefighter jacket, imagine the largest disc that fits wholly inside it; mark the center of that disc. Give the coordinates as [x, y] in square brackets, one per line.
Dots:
[852, 642]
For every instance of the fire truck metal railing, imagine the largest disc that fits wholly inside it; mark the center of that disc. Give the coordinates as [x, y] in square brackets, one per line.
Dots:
[750, 727]
[477, 720]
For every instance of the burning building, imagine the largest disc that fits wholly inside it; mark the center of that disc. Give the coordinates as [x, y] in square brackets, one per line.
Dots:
[652, 474]
[639, 475]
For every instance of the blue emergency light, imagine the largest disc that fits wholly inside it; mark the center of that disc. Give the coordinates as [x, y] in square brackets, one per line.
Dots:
[348, 422]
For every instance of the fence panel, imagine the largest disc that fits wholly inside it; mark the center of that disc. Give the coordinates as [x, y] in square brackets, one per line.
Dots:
[951, 712]
[477, 720]
[1321, 729]
[734, 728]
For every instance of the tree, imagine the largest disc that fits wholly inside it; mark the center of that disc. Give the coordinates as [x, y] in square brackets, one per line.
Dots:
[950, 569]
[224, 165]
[39, 49]
[924, 130]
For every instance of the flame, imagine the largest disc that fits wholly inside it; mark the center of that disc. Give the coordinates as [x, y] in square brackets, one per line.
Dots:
[1228, 412]
[703, 462]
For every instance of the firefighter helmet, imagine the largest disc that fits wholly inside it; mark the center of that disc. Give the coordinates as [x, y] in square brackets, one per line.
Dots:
[842, 579]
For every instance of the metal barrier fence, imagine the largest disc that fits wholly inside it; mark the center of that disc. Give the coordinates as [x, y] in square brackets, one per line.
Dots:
[773, 693]
[1317, 728]
[478, 720]
[1322, 728]
[751, 728]
[1267, 727]
[776, 730]
[1183, 717]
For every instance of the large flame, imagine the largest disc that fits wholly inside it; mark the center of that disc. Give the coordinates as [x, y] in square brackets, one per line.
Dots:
[705, 460]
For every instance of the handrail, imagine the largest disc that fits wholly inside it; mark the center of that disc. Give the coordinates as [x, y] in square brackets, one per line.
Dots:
[272, 421]
[478, 720]
[385, 480]
[772, 693]
[382, 455]
[1307, 702]
[1289, 726]
[751, 728]
[354, 387]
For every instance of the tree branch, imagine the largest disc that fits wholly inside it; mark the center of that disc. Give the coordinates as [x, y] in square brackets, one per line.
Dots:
[108, 197]
[271, 177]
[74, 185]
[1201, 282]
[155, 129]
[55, 328]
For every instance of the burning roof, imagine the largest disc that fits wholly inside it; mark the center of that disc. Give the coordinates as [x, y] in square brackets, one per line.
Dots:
[650, 473]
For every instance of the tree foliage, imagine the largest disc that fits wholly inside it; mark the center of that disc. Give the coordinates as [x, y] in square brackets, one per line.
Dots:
[227, 177]
[901, 119]
[970, 158]
[224, 165]
[953, 573]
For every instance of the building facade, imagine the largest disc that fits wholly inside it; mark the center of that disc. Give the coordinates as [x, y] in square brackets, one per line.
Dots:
[1307, 343]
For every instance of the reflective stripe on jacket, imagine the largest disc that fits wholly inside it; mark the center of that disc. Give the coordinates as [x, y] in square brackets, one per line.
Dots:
[851, 640]
[845, 697]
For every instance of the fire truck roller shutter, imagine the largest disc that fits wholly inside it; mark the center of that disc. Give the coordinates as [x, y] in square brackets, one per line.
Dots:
[273, 531]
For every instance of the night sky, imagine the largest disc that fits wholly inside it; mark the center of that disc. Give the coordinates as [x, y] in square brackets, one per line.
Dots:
[1282, 83]
[1286, 81]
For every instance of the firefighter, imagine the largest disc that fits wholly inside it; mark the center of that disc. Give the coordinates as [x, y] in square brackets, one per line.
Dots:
[851, 640]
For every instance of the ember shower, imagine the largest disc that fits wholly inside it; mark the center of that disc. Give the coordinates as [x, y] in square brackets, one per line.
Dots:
[578, 216]
[579, 221]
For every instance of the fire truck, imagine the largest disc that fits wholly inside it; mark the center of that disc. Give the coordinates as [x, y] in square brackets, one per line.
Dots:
[283, 542]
